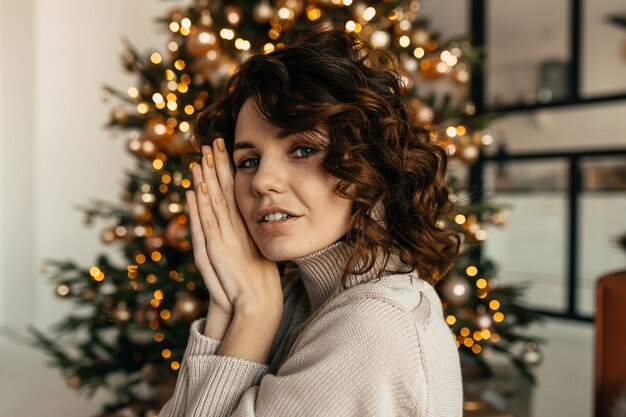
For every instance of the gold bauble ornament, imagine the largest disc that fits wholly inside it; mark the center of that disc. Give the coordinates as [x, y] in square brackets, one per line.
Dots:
[176, 232]
[188, 306]
[120, 312]
[233, 14]
[157, 132]
[108, 236]
[531, 355]
[178, 144]
[499, 218]
[88, 294]
[456, 290]
[432, 68]
[423, 114]
[201, 42]
[469, 154]
[262, 12]
[119, 115]
[73, 381]
[148, 373]
[63, 289]
[296, 6]
[171, 206]
[155, 241]
[176, 15]
[460, 74]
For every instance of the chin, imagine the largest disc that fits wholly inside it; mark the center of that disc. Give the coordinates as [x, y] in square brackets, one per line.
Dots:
[280, 254]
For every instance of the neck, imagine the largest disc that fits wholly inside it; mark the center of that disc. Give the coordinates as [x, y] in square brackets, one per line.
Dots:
[322, 271]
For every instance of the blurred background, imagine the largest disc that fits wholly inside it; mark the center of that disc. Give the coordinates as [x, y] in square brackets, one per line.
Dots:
[554, 74]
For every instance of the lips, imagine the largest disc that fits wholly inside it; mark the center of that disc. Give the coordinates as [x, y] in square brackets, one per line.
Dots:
[258, 217]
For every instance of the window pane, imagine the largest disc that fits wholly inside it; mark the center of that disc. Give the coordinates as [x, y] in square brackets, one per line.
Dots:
[602, 220]
[528, 58]
[603, 48]
[531, 246]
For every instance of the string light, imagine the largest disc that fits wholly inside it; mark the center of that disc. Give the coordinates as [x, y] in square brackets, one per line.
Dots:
[227, 34]
[155, 58]
[142, 108]
[471, 271]
[369, 14]
[285, 13]
[418, 52]
[242, 44]
[313, 13]
[451, 131]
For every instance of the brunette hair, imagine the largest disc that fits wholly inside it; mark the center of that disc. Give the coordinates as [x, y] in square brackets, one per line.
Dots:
[383, 160]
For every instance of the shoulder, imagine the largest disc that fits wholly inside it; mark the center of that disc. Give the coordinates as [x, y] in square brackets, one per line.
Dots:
[405, 292]
[382, 313]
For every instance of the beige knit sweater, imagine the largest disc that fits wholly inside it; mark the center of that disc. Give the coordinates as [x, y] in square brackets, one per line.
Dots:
[379, 348]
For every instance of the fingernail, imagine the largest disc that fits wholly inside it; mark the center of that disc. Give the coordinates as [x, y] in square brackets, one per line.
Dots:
[203, 188]
[209, 160]
[191, 165]
[220, 144]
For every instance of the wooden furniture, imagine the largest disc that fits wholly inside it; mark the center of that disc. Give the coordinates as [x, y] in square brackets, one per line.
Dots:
[610, 341]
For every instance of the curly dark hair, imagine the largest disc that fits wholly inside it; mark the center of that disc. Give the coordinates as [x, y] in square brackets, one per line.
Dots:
[326, 77]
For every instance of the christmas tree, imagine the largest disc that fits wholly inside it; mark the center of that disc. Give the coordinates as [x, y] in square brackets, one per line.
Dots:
[136, 316]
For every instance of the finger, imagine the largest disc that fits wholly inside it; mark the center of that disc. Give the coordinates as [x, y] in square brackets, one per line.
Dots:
[225, 176]
[201, 258]
[207, 218]
[216, 197]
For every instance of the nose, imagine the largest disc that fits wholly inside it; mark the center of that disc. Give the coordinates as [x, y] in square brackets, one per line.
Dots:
[270, 177]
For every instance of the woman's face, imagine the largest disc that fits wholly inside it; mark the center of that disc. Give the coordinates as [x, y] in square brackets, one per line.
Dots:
[284, 175]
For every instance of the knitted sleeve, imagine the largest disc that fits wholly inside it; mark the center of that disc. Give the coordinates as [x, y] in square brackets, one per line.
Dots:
[362, 358]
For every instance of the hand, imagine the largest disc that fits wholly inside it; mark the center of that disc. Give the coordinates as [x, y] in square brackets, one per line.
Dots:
[233, 268]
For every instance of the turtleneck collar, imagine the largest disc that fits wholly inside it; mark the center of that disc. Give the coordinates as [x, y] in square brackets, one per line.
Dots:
[322, 271]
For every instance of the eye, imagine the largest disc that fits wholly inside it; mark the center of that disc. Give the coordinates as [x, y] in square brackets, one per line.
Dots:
[247, 163]
[305, 151]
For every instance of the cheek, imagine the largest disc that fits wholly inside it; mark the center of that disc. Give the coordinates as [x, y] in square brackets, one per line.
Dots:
[240, 197]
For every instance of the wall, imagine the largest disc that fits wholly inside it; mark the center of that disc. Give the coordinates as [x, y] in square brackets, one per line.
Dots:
[54, 155]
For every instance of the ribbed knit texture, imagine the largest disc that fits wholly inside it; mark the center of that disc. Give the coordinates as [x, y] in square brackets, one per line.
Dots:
[379, 348]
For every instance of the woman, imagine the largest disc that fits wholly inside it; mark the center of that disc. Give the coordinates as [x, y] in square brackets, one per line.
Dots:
[328, 172]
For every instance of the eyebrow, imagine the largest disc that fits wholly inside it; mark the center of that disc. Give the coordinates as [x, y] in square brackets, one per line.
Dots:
[242, 145]
[247, 145]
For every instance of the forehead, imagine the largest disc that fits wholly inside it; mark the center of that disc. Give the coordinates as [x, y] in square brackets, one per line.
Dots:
[252, 128]
[250, 121]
